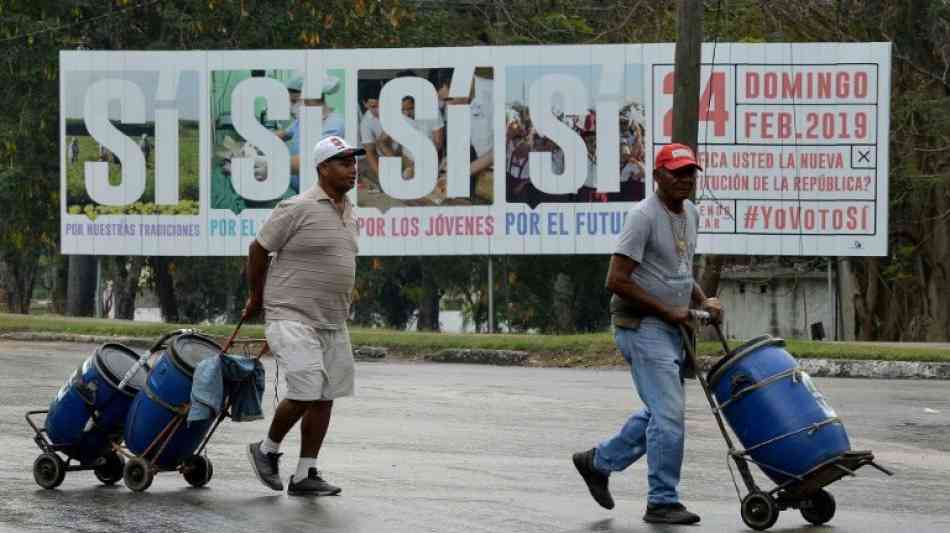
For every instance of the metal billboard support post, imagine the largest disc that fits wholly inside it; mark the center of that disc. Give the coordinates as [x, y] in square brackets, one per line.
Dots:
[491, 297]
[98, 299]
[831, 304]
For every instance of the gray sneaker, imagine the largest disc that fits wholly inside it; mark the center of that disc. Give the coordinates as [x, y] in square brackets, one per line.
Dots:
[312, 485]
[265, 465]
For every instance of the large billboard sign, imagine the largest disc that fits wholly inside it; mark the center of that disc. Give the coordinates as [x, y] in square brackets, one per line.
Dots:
[488, 150]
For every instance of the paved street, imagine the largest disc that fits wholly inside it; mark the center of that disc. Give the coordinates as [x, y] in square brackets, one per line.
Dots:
[467, 449]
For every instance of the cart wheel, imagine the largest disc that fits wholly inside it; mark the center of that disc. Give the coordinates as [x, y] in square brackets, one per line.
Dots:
[137, 474]
[110, 472]
[49, 471]
[820, 508]
[759, 511]
[197, 470]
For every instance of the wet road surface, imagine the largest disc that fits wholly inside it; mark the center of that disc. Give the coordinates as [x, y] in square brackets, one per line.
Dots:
[460, 448]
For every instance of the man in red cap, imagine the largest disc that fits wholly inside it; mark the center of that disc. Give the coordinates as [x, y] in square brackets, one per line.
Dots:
[651, 278]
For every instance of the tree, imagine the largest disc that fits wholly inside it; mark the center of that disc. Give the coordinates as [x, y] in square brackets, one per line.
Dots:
[163, 284]
[28, 165]
[899, 297]
[902, 296]
[127, 272]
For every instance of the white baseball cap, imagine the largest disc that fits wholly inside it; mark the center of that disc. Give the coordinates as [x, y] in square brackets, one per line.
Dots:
[331, 147]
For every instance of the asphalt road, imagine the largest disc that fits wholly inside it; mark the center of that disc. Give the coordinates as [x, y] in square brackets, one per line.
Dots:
[459, 448]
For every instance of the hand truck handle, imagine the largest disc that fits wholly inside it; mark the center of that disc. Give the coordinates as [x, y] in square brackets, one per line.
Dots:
[705, 318]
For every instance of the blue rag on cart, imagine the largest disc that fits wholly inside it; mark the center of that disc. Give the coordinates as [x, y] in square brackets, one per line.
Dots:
[239, 378]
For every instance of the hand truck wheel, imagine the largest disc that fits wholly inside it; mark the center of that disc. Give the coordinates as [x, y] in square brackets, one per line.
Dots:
[49, 470]
[820, 508]
[197, 470]
[759, 511]
[137, 474]
[111, 470]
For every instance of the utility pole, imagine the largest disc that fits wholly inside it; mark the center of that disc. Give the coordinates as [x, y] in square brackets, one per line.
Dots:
[689, 43]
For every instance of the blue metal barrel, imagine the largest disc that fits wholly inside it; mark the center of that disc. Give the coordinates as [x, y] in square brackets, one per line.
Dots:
[164, 397]
[89, 410]
[775, 410]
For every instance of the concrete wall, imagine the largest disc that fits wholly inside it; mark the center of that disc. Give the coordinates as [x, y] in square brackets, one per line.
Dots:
[783, 305]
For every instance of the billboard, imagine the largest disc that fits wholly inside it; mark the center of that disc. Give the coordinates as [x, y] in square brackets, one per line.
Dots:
[486, 150]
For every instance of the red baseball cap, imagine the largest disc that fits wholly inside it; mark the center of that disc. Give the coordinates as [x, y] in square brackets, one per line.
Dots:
[675, 156]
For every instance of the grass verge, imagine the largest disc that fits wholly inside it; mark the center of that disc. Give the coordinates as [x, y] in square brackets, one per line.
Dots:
[587, 350]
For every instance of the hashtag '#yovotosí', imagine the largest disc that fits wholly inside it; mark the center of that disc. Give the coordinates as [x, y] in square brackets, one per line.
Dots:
[751, 216]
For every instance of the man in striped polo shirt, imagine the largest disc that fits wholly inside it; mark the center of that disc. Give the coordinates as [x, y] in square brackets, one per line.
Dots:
[305, 291]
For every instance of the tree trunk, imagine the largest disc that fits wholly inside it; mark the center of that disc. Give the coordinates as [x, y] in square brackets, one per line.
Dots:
[165, 288]
[847, 295]
[429, 305]
[126, 284]
[563, 302]
[60, 284]
[81, 288]
[937, 254]
[18, 275]
[869, 304]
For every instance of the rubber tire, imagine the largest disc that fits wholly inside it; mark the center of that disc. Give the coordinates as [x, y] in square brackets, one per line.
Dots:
[112, 471]
[198, 470]
[759, 511]
[822, 508]
[49, 470]
[137, 475]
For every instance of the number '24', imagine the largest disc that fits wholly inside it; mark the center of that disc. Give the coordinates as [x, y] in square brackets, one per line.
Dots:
[713, 96]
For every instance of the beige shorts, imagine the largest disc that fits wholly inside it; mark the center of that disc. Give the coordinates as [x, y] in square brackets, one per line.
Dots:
[317, 363]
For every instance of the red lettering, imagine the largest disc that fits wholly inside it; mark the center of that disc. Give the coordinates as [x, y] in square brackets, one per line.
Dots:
[752, 84]
[861, 85]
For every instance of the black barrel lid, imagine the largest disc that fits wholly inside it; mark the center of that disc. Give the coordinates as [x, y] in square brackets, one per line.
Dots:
[190, 349]
[720, 366]
[114, 361]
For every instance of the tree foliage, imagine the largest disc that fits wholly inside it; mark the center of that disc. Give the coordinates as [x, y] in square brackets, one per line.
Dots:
[899, 297]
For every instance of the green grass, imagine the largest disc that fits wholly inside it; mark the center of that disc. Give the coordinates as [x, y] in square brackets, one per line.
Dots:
[89, 151]
[49, 323]
[589, 350]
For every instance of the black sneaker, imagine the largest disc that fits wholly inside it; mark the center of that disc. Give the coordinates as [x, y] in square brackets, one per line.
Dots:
[312, 485]
[265, 465]
[596, 482]
[669, 513]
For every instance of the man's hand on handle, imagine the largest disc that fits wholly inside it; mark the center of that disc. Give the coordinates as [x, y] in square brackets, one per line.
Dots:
[711, 312]
[714, 307]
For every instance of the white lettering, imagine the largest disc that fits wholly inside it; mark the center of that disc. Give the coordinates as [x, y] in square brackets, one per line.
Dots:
[96, 114]
[541, 102]
[425, 158]
[275, 151]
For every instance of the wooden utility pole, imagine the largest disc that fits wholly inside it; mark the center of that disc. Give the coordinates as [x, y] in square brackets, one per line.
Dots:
[689, 42]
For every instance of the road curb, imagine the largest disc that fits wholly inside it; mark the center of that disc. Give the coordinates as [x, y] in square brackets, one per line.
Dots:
[839, 368]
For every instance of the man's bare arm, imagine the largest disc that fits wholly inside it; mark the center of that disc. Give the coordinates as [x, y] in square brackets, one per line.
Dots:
[257, 263]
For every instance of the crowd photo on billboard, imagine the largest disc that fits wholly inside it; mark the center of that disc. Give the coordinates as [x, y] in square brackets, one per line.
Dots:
[379, 144]
[522, 138]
